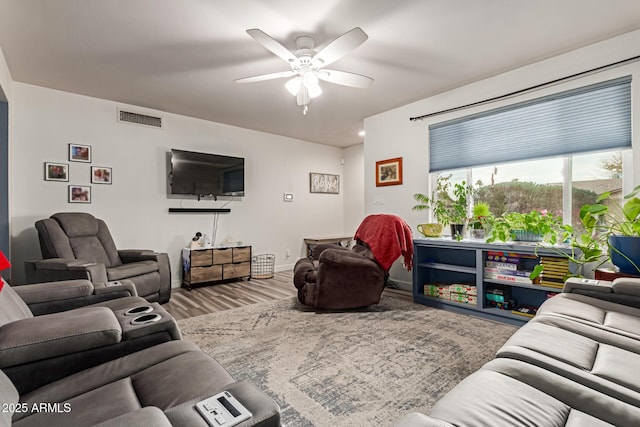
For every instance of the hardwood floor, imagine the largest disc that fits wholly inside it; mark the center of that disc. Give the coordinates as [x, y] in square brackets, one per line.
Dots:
[225, 296]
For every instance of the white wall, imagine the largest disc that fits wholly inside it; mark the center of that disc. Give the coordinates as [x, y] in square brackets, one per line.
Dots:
[392, 134]
[353, 158]
[135, 206]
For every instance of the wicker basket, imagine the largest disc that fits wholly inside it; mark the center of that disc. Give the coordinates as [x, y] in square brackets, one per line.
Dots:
[262, 266]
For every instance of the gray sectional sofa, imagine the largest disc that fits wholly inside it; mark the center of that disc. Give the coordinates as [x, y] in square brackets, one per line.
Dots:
[576, 363]
[118, 363]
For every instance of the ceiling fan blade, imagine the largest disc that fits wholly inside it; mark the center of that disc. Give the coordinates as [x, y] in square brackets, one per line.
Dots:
[344, 78]
[265, 40]
[340, 47]
[264, 77]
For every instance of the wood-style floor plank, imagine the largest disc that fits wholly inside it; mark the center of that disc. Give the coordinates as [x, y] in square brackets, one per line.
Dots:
[225, 296]
[212, 298]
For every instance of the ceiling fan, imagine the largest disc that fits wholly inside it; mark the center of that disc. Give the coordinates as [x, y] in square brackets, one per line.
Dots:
[307, 65]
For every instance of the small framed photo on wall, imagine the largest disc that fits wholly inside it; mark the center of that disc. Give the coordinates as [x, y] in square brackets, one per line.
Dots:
[389, 172]
[56, 171]
[79, 194]
[101, 175]
[79, 153]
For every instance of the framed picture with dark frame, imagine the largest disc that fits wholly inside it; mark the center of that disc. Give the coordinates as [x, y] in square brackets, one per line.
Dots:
[79, 194]
[101, 175]
[389, 172]
[79, 153]
[56, 171]
[324, 183]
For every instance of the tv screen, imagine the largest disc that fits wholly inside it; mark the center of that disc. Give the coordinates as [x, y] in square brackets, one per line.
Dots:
[203, 174]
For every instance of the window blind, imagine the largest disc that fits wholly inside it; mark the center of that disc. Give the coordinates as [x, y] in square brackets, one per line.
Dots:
[590, 118]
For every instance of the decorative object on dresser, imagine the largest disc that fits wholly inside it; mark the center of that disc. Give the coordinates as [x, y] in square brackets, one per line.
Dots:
[214, 265]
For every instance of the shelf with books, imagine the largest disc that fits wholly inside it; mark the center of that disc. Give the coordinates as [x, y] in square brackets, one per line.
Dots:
[499, 274]
[525, 285]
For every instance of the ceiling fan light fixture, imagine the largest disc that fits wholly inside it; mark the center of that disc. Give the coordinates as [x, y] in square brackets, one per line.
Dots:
[306, 65]
[314, 92]
[293, 85]
[310, 80]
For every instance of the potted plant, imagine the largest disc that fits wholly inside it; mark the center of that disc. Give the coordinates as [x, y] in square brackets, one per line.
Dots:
[449, 203]
[430, 229]
[618, 227]
[534, 226]
[481, 220]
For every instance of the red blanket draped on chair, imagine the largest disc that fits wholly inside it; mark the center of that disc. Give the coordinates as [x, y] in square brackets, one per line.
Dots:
[388, 237]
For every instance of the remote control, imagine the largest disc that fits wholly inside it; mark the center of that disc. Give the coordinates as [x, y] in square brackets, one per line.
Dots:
[222, 410]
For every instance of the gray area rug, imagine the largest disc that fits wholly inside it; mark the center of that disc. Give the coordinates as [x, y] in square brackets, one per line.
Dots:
[360, 368]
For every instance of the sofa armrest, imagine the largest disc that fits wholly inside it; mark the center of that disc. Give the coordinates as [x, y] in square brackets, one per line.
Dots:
[577, 284]
[54, 291]
[265, 412]
[51, 335]
[134, 255]
[147, 416]
[117, 286]
[626, 286]
[54, 269]
[61, 264]
[623, 290]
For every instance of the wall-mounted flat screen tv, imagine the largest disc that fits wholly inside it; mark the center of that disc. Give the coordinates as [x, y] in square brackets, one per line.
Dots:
[204, 174]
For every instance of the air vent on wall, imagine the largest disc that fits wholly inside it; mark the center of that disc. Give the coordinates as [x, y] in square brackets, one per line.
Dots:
[139, 119]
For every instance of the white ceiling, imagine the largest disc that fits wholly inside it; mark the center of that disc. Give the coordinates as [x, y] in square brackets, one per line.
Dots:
[182, 56]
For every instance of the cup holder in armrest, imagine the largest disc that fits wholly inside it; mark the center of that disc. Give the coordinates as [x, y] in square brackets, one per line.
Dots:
[147, 318]
[138, 310]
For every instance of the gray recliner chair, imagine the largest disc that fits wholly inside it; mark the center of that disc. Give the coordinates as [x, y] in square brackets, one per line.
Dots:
[77, 245]
[35, 350]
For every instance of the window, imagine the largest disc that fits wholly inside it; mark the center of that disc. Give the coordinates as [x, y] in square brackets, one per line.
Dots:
[540, 184]
[556, 152]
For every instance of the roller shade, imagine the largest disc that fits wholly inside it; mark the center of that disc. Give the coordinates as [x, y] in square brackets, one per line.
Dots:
[590, 118]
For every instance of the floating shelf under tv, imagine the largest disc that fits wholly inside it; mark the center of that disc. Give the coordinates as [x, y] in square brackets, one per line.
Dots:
[199, 210]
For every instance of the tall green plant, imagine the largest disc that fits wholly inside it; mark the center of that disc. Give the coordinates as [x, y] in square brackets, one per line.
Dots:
[449, 202]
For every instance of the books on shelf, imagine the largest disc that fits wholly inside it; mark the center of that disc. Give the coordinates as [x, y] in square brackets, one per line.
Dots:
[508, 278]
[508, 257]
[508, 267]
[525, 310]
[555, 271]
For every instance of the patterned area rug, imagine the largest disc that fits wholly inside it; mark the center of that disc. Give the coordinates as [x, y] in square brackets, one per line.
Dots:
[360, 368]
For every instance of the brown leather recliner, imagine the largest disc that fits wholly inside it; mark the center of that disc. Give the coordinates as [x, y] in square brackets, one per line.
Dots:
[338, 278]
[77, 245]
